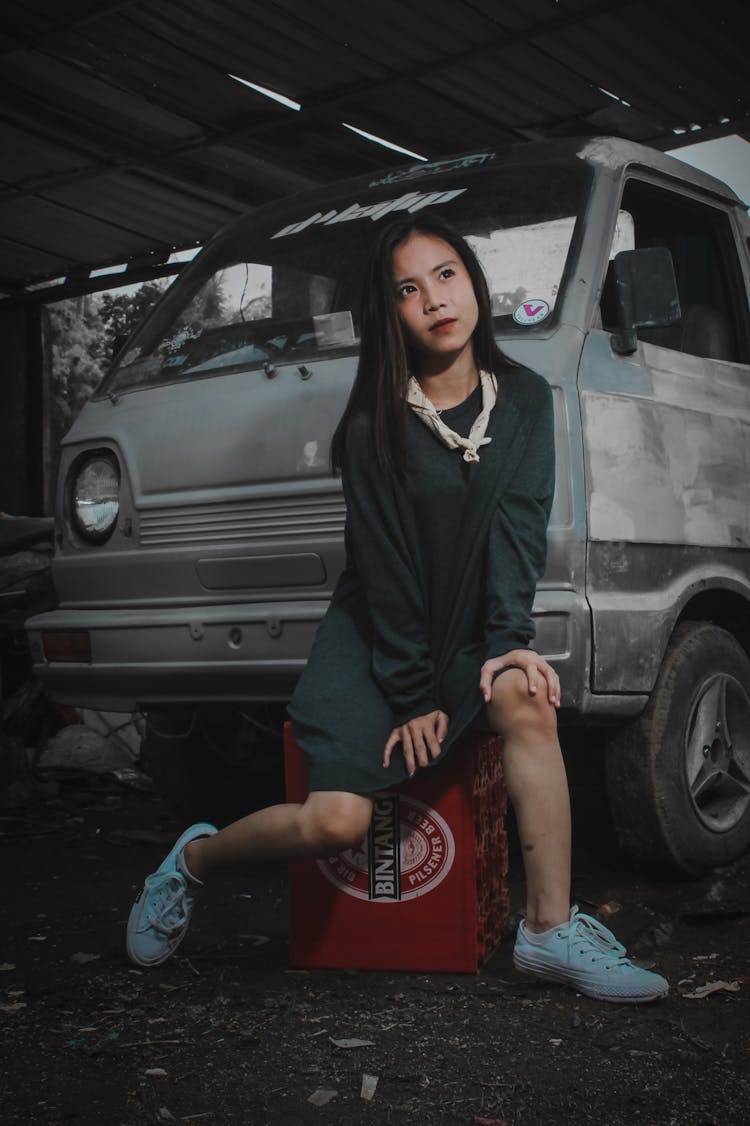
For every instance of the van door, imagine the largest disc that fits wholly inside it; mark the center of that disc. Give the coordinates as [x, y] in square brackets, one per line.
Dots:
[666, 440]
[668, 559]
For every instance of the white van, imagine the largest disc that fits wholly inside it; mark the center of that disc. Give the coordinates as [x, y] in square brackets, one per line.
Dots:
[200, 530]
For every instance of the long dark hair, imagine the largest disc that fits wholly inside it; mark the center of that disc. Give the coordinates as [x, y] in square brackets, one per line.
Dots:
[386, 358]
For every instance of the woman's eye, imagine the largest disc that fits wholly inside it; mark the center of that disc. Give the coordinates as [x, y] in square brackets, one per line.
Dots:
[448, 272]
[404, 290]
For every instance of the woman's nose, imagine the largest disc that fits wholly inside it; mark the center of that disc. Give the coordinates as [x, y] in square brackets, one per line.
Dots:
[432, 300]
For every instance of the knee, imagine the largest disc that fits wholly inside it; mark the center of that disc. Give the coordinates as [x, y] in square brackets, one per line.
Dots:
[335, 822]
[515, 712]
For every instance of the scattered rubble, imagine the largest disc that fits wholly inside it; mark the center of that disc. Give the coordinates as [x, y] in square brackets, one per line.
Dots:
[352, 1042]
[322, 1096]
[713, 987]
[80, 958]
[79, 747]
[368, 1087]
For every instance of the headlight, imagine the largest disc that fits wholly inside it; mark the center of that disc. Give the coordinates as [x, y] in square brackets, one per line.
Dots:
[95, 497]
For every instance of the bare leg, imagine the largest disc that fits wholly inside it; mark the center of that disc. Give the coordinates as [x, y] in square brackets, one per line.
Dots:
[537, 785]
[326, 823]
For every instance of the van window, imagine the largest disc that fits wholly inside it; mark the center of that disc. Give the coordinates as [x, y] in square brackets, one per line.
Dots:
[699, 238]
[283, 285]
[246, 313]
[524, 262]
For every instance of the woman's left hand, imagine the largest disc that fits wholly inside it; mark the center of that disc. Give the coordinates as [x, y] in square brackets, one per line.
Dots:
[420, 739]
[538, 674]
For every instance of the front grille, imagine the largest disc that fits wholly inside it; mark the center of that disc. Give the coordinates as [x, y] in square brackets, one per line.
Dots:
[241, 521]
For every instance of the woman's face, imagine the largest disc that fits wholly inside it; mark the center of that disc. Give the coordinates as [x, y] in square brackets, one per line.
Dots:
[435, 299]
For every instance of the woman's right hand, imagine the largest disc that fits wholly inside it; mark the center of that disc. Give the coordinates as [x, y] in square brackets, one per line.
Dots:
[420, 739]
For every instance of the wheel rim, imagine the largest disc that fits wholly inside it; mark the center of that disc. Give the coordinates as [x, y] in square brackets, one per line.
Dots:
[717, 753]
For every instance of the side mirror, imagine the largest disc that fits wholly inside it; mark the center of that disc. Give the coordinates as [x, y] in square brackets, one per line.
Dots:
[645, 294]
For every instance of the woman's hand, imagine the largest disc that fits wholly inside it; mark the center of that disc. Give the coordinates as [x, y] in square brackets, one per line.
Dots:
[420, 738]
[539, 674]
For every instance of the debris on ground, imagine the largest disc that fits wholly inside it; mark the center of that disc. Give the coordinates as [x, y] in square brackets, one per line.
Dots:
[713, 987]
[78, 747]
[81, 958]
[608, 909]
[123, 730]
[242, 1039]
[322, 1096]
[367, 1088]
[352, 1042]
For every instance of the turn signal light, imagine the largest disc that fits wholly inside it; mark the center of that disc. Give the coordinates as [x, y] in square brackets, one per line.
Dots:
[72, 646]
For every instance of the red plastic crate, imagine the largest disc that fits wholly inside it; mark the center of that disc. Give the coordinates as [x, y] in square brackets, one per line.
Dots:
[438, 902]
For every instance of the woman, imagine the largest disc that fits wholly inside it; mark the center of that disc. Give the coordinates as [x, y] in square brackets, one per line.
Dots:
[447, 457]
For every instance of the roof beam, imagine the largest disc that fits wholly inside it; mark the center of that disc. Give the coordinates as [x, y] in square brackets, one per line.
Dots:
[343, 94]
[91, 12]
[78, 287]
[739, 126]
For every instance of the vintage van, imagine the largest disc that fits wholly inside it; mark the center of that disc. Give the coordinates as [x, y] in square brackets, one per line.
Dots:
[200, 530]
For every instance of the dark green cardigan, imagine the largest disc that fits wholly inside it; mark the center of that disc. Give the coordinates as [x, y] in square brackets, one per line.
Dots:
[441, 573]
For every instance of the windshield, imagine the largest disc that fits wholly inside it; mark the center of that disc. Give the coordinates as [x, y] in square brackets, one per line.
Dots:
[283, 285]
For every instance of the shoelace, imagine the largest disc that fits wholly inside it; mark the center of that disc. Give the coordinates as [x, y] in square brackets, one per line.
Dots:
[590, 937]
[169, 907]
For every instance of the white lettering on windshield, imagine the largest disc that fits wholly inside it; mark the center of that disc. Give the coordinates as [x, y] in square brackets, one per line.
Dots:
[412, 201]
[451, 164]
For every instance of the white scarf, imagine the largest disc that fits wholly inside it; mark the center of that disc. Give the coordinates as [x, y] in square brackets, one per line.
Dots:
[430, 416]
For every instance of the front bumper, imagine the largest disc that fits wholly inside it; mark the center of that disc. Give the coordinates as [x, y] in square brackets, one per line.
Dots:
[143, 658]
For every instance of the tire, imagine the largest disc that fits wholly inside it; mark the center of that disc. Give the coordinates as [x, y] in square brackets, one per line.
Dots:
[213, 764]
[678, 778]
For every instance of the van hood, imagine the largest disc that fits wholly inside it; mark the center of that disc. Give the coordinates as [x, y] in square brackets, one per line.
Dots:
[180, 442]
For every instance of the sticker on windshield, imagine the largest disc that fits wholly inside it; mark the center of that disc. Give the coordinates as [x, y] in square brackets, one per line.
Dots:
[411, 202]
[531, 312]
[334, 330]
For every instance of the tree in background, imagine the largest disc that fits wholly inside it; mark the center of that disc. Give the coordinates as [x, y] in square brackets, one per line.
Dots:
[122, 313]
[77, 351]
[80, 335]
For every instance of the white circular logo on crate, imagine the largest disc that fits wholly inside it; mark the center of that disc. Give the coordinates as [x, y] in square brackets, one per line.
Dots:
[373, 871]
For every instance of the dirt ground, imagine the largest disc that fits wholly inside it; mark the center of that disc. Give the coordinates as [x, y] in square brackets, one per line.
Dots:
[226, 1033]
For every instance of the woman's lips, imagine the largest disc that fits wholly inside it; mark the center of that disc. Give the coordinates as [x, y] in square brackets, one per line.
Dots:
[443, 326]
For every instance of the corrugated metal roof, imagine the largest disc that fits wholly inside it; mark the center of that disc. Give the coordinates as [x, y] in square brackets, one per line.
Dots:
[122, 132]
